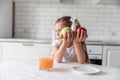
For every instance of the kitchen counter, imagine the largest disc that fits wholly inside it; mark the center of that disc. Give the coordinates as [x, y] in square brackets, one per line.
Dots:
[107, 43]
[25, 40]
[61, 71]
[89, 42]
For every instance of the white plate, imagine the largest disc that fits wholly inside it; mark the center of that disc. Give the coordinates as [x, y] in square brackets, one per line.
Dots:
[86, 69]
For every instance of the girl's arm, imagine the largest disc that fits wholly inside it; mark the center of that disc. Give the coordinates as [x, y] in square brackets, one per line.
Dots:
[79, 50]
[59, 52]
[81, 57]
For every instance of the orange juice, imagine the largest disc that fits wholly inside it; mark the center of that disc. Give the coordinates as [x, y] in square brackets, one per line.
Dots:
[45, 63]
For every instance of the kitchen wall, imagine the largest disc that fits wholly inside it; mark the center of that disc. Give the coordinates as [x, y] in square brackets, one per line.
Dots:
[35, 18]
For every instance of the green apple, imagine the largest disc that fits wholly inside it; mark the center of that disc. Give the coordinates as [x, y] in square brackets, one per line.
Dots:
[64, 30]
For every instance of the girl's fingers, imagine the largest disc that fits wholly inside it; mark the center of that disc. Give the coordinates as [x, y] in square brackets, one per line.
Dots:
[81, 35]
[78, 35]
[84, 36]
[61, 35]
[68, 35]
[72, 35]
[65, 36]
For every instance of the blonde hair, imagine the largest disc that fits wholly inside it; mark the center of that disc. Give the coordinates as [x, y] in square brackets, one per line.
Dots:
[66, 20]
[83, 44]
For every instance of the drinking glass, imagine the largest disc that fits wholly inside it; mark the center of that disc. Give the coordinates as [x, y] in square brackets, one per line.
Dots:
[46, 63]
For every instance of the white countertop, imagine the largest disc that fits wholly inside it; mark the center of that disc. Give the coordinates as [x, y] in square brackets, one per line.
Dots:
[24, 40]
[62, 71]
[94, 42]
[105, 42]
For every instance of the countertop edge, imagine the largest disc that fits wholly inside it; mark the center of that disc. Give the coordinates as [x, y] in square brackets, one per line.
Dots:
[88, 42]
[26, 41]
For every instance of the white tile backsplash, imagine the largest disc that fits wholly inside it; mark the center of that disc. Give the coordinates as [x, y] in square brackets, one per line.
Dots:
[36, 20]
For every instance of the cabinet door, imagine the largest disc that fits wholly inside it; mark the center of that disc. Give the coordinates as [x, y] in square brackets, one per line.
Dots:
[40, 50]
[24, 51]
[113, 58]
[1, 52]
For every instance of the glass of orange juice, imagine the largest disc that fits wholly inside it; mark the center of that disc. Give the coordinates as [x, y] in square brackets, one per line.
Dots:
[46, 63]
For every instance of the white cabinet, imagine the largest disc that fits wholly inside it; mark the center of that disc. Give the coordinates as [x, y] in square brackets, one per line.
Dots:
[95, 51]
[1, 52]
[111, 56]
[24, 51]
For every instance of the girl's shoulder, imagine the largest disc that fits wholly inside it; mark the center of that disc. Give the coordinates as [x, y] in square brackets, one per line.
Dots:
[56, 42]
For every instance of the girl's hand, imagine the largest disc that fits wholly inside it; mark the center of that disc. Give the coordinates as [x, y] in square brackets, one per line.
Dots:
[80, 36]
[68, 37]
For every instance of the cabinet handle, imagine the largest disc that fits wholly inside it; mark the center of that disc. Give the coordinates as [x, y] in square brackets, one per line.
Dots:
[27, 44]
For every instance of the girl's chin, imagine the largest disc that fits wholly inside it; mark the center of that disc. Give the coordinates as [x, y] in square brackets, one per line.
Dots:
[60, 40]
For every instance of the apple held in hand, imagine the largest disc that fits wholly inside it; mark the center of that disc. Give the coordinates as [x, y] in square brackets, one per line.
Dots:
[64, 30]
[80, 29]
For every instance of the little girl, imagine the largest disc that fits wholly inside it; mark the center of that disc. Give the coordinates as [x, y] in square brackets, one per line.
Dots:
[72, 47]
